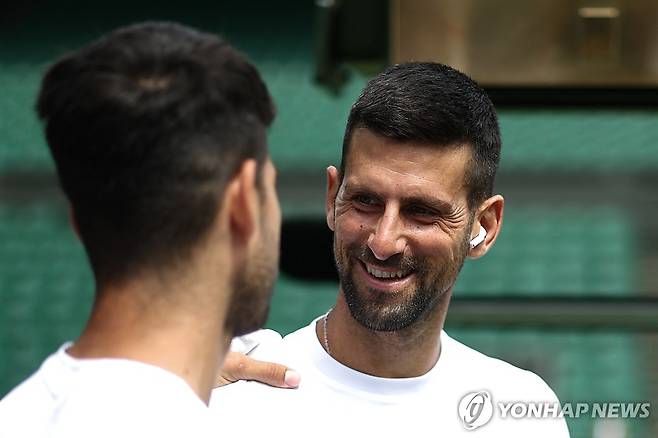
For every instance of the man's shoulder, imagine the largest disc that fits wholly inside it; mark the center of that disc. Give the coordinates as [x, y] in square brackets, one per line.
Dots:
[108, 398]
[481, 371]
[27, 390]
[34, 394]
[132, 409]
[269, 345]
[301, 337]
[30, 399]
[473, 372]
[137, 390]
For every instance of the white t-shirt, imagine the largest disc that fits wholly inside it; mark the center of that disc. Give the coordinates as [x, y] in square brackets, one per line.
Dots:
[334, 400]
[69, 397]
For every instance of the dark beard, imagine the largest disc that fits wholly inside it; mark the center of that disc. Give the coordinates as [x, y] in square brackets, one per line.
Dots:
[246, 315]
[376, 314]
[252, 292]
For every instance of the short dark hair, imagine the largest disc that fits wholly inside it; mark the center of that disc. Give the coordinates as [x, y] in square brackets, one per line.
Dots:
[146, 127]
[434, 104]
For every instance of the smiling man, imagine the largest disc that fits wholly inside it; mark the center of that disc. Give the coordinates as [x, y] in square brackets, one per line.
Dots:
[413, 199]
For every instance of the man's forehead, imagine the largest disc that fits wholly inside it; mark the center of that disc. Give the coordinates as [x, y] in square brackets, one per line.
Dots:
[376, 159]
[367, 144]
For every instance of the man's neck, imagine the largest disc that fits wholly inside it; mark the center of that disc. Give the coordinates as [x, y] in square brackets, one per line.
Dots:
[160, 332]
[410, 352]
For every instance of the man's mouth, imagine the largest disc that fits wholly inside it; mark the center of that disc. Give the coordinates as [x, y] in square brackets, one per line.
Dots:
[382, 273]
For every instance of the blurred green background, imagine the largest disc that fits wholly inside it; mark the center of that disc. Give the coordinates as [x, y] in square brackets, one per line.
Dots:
[580, 187]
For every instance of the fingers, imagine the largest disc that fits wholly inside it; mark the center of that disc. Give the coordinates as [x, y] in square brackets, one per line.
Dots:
[272, 374]
[240, 367]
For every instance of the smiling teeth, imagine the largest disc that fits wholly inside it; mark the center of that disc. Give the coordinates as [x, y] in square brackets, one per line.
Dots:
[381, 274]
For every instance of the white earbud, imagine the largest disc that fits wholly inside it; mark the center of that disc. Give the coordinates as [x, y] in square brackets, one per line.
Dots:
[479, 238]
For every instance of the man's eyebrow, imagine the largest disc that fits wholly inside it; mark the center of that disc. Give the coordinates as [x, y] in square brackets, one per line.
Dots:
[439, 204]
[355, 187]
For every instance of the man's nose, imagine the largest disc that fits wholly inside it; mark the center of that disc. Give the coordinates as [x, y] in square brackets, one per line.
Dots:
[387, 238]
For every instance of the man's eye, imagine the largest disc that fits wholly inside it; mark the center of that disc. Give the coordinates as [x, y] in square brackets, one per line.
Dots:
[421, 211]
[365, 200]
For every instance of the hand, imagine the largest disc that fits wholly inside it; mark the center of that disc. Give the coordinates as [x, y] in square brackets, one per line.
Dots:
[238, 366]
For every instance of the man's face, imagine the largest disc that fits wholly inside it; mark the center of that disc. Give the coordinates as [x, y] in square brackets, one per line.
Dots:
[401, 228]
[254, 282]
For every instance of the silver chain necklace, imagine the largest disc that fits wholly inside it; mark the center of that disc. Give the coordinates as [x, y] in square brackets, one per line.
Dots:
[325, 333]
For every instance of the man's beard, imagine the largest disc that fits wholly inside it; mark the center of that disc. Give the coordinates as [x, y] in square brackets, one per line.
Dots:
[433, 283]
[252, 292]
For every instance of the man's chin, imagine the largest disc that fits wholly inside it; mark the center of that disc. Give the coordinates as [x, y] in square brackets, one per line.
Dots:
[383, 322]
[384, 312]
[372, 296]
[388, 311]
[248, 327]
[247, 321]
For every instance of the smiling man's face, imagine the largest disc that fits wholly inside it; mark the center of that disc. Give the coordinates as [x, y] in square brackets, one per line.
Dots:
[401, 227]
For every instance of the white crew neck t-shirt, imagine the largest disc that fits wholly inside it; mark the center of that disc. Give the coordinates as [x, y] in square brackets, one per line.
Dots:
[333, 399]
[69, 397]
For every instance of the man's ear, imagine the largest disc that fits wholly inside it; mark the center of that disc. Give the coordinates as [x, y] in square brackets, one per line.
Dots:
[241, 203]
[333, 184]
[489, 216]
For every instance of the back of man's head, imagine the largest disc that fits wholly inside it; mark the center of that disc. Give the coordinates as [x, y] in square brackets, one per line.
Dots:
[433, 104]
[146, 126]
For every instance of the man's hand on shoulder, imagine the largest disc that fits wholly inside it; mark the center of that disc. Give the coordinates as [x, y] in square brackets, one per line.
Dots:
[239, 366]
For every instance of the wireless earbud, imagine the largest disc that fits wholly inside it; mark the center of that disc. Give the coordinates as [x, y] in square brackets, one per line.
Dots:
[479, 238]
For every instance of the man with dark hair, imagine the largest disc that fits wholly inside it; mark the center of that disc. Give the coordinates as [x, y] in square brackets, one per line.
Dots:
[412, 200]
[158, 133]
